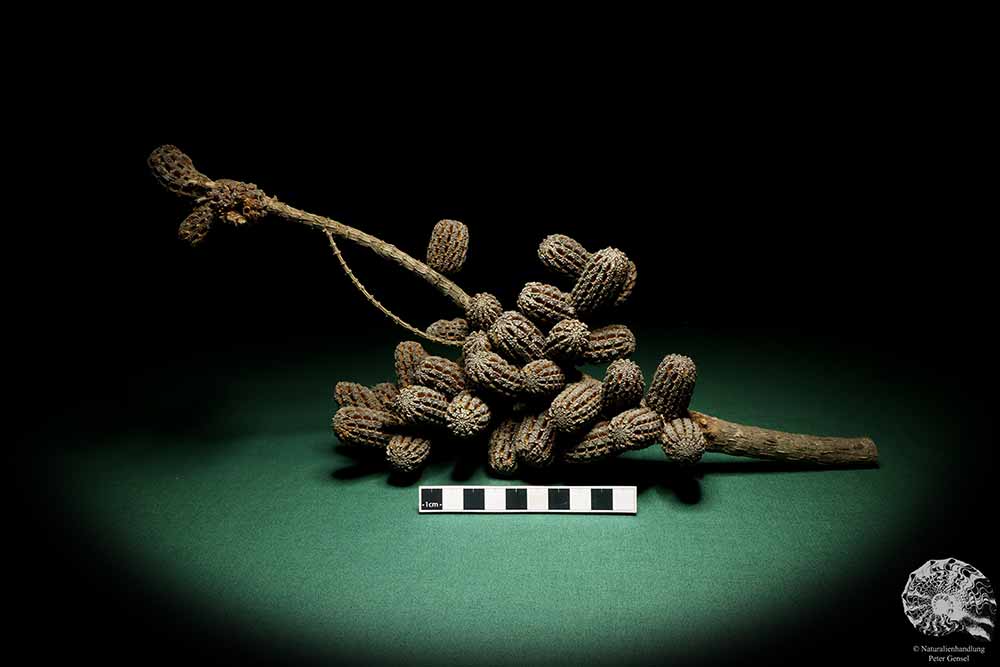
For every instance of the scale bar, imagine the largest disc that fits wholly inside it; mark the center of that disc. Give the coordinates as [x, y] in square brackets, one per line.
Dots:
[528, 499]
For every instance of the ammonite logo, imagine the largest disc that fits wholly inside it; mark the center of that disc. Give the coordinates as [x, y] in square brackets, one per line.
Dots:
[946, 596]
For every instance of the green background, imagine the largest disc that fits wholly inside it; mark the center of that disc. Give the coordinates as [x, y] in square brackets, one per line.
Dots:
[254, 516]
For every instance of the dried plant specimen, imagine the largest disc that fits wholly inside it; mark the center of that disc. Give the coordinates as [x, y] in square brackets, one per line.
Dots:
[448, 246]
[510, 371]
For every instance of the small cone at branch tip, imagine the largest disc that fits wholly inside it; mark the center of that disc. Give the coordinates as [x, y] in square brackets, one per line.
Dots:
[456, 329]
[448, 246]
[468, 415]
[601, 280]
[441, 374]
[490, 371]
[174, 171]
[501, 453]
[421, 405]
[594, 446]
[623, 386]
[408, 357]
[576, 406]
[615, 341]
[517, 338]
[356, 425]
[672, 386]
[682, 441]
[543, 377]
[535, 441]
[563, 255]
[545, 304]
[386, 393]
[196, 225]
[631, 274]
[635, 428]
[407, 453]
[483, 310]
[352, 393]
[567, 341]
[477, 341]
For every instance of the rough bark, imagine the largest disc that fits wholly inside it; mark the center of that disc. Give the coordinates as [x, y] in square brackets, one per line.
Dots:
[762, 443]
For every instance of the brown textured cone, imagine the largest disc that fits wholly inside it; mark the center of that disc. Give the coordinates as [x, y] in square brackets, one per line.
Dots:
[468, 415]
[683, 442]
[409, 355]
[594, 446]
[545, 304]
[421, 405]
[567, 341]
[441, 374]
[623, 386]
[490, 371]
[631, 274]
[563, 255]
[543, 377]
[407, 453]
[601, 280]
[477, 341]
[174, 170]
[195, 226]
[514, 336]
[356, 425]
[576, 406]
[352, 393]
[483, 310]
[448, 246]
[386, 392]
[614, 341]
[456, 329]
[635, 428]
[501, 454]
[672, 386]
[535, 441]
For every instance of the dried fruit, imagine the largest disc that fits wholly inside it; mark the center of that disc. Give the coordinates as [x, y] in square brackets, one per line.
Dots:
[567, 341]
[421, 405]
[456, 329]
[576, 406]
[448, 246]
[514, 336]
[441, 374]
[683, 442]
[409, 355]
[623, 386]
[490, 371]
[195, 227]
[542, 377]
[614, 341]
[174, 170]
[352, 393]
[545, 304]
[563, 255]
[601, 280]
[483, 310]
[594, 446]
[635, 428]
[535, 441]
[501, 453]
[386, 392]
[407, 453]
[356, 425]
[477, 341]
[468, 415]
[629, 285]
[672, 386]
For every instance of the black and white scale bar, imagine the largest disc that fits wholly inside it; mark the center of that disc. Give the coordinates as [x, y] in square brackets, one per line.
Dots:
[525, 499]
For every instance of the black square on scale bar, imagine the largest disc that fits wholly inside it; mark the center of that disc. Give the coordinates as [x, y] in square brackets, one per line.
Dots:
[517, 499]
[473, 499]
[600, 499]
[558, 499]
[430, 499]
